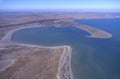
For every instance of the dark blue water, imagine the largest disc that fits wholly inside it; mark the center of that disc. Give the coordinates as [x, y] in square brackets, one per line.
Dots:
[92, 58]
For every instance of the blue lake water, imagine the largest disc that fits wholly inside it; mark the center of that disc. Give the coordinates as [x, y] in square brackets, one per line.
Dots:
[92, 58]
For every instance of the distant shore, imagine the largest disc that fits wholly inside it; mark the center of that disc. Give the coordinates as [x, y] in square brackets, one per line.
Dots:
[94, 32]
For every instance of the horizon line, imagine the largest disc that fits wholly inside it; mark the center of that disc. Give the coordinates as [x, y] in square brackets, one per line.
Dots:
[79, 10]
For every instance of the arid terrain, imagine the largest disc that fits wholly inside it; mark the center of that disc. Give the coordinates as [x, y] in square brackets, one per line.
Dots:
[29, 62]
[32, 62]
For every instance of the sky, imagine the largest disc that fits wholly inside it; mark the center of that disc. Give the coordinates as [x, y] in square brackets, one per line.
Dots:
[59, 4]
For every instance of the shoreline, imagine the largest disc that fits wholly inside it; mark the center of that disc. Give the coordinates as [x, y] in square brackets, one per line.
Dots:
[64, 68]
[6, 41]
[94, 32]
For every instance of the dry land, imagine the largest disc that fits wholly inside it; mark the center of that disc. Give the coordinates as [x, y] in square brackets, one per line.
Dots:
[23, 61]
[29, 62]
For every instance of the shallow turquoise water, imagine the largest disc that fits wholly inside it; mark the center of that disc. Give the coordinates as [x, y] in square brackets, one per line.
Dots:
[92, 58]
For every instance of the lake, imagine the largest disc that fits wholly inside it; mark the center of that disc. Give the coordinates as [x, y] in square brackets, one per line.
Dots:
[92, 58]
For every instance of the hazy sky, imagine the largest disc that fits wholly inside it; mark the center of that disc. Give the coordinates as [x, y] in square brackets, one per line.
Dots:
[60, 4]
